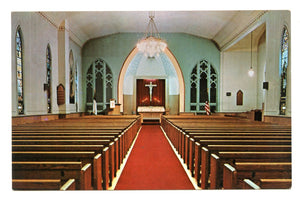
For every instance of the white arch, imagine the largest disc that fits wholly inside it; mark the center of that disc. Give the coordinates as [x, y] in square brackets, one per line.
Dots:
[174, 63]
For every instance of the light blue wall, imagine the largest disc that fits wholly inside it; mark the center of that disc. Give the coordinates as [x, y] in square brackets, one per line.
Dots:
[115, 48]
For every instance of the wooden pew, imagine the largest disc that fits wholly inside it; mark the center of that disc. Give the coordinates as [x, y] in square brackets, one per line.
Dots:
[86, 157]
[54, 170]
[206, 163]
[217, 147]
[203, 158]
[267, 184]
[234, 174]
[66, 133]
[62, 137]
[100, 163]
[43, 184]
[69, 135]
[97, 167]
[221, 158]
[117, 134]
[62, 142]
[183, 134]
[189, 143]
[78, 147]
[114, 160]
[275, 183]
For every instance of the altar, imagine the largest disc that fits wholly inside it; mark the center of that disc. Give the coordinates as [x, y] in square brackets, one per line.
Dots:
[151, 112]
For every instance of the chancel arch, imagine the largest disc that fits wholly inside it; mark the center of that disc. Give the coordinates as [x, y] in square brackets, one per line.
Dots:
[99, 85]
[137, 66]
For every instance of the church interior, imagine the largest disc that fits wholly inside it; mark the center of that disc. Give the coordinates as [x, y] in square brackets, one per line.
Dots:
[184, 99]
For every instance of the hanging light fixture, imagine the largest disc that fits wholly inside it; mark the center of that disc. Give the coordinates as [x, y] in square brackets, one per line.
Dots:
[251, 71]
[151, 44]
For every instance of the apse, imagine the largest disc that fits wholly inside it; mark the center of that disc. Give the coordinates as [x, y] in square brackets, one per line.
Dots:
[158, 67]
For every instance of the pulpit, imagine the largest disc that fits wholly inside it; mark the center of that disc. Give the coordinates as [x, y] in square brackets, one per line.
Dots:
[151, 112]
[114, 110]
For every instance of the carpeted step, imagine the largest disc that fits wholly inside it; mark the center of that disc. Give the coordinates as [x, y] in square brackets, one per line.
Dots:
[151, 122]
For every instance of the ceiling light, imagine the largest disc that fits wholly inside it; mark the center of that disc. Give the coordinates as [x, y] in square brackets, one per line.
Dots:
[151, 44]
[251, 71]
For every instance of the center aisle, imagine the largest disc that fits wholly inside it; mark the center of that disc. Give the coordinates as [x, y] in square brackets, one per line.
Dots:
[152, 164]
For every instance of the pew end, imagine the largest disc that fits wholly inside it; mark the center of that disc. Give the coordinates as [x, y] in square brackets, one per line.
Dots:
[249, 184]
[229, 176]
[69, 185]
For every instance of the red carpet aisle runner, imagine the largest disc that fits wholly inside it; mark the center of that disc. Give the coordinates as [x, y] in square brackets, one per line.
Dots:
[152, 164]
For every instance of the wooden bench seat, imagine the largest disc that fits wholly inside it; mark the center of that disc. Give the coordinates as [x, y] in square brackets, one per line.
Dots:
[102, 164]
[113, 145]
[236, 151]
[275, 183]
[267, 184]
[54, 130]
[78, 147]
[101, 141]
[193, 153]
[43, 184]
[114, 157]
[219, 159]
[196, 137]
[215, 148]
[60, 142]
[84, 156]
[235, 173]
[62, 128]
[62, 137]
[65, 133]
[235, 133]
[82, 173]
[236, 137]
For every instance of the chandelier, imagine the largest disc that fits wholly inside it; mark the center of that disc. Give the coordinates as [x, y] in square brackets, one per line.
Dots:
[151, 44]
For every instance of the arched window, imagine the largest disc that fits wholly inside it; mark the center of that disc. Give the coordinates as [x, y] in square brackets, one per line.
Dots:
[76, 87]
[99, 84]
[284, 58]
[72, 80]
[19, 61]
[203, 82]
[48, 78]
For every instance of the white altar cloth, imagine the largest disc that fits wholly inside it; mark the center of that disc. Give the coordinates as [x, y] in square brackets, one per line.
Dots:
[151, 112]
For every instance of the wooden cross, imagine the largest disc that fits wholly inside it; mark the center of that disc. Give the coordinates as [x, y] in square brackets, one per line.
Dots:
[150, 89]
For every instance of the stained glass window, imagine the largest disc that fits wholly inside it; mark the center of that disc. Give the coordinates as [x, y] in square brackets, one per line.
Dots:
[284, 58]
[48, 78]
[19, 56]
[99, 85]
[203, 81]
[76, 88]
[72, 80]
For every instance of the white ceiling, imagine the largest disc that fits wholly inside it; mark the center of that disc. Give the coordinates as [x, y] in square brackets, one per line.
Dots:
[219, 26]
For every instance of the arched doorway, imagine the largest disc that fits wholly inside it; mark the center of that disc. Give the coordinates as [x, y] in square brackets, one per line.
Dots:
[175, 66]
